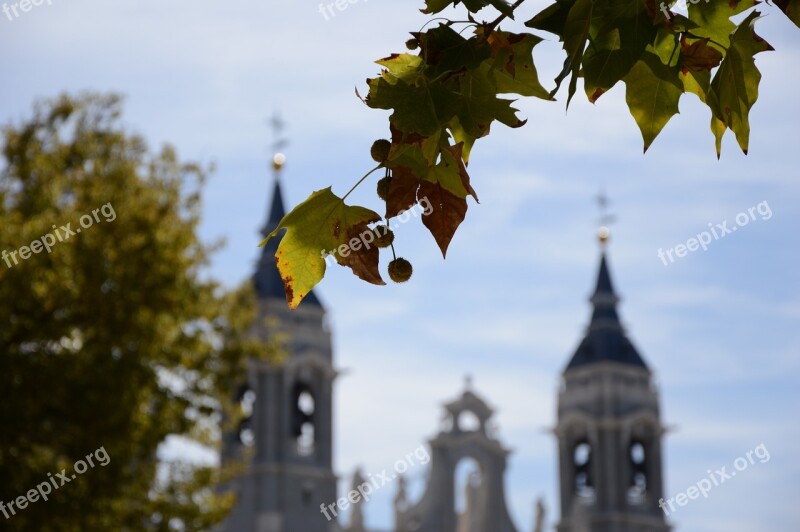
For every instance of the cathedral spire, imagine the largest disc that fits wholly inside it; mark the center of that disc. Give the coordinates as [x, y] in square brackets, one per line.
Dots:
[605, 339]
[267, 279]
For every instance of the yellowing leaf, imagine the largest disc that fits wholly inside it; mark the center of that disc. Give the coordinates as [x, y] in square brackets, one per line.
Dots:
[652, 93]
[734, 88]
[319, 225]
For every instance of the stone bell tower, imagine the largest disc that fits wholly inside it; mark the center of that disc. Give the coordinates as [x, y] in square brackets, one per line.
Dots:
[609, 429]
[286, 442]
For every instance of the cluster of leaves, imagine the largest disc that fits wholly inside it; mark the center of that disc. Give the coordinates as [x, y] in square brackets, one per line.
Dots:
[444, 94]
[113, 339]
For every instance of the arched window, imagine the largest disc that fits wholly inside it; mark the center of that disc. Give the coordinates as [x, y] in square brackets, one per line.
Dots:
[467, 485]
[303, 418]
[582, 462]
[247, 400]
[468, 421]
[637, 463]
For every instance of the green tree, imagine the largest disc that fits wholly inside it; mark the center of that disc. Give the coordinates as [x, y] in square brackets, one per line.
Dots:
[445, 93]
[111, 337]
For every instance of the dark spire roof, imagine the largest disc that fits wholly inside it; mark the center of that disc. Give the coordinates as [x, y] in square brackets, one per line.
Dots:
[267, 280]
[605, 339]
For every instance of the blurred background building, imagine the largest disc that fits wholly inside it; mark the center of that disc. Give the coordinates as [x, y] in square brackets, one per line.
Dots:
[608, 431]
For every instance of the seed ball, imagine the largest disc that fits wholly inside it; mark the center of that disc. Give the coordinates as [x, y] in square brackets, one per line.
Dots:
[380, 150]
[400, 270]
[383, 188]
[383, 236]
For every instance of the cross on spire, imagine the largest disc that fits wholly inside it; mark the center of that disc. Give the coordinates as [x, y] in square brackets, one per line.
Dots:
[279, 141]
[605, 219]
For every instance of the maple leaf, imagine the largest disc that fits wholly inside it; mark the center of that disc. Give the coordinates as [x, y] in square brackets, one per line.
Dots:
[652, 93]
[734, 88]
[699, 56]
[321, 224]
[511, 67]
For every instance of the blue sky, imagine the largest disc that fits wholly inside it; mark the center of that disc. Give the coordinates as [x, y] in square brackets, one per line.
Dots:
[719, 327]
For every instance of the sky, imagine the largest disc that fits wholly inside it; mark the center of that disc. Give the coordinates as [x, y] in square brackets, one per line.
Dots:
[719, 327]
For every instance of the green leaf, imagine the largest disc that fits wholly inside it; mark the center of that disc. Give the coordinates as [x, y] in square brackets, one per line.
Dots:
[424, 109]
[479, 106]
[322, 224]
[512, 69]
[718, 129]
[575, 35]
[407, 67]
[713, 18]
[452, 174]
[444, 50]
[436, 6]
[652, 93]
[623, 31]
[734, 88]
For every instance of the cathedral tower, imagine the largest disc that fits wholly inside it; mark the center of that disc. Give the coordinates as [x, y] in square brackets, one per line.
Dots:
[287, 440]
[609, 429]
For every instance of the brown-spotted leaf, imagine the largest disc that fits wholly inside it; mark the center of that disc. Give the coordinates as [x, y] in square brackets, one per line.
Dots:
[360, 255]
[447, 211]
[319, 225]
[699, 55]
[402, 192]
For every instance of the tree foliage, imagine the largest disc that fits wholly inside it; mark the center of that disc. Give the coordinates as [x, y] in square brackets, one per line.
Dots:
[112, 338]
[446, 91]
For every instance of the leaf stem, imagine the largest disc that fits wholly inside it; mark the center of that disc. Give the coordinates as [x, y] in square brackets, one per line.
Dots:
[493, 24]
[362, 180]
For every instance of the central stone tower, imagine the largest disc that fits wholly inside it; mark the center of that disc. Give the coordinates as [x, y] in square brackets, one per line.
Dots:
[609, 430]
[286, 442]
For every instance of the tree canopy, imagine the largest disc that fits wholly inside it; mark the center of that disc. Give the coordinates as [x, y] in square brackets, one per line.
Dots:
[111, 336]
[444, 93]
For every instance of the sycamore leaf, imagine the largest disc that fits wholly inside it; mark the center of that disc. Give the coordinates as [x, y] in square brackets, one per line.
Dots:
[791, 8]
[436, 6]
[480, 106]
[511, 67]
[452, 174]
[652, 93]
[403, 189]
[444, 50]
[696, 82]
[402, 66]
[321, 224]
[446, 214]
[359, 255]
[713, 18]
[734, 88]
[575, 35]
[620, 32]
[699, 55]
[417, 109]
[447, 210]
[460, 136]
[718, 129]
